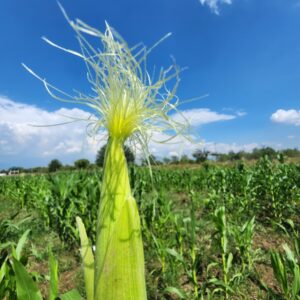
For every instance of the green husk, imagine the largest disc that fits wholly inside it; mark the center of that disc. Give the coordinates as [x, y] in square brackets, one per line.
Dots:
[119, 258]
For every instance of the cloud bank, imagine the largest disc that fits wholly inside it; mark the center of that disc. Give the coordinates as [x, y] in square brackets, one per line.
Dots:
[22, 144]
[201, 116]
[214, 5]
[290, 117]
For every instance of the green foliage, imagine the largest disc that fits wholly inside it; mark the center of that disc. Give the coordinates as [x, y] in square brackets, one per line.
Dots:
[286, 269]
[26, 288]
[194, 247]
[53, 264]
[130, 158]
[17, 283]
[54, 165]
[226, 283]
[81, 163]
[87, 259]
[71, 295]
[9, 228]
[243, 236]
[13, 285]
[256, 154]
[200, 155]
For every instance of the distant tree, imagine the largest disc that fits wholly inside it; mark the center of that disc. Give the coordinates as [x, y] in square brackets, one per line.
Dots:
[291, 152]
[166, 160]
[151, 159]
[244, 154]
[221, 157]
[54, 165]
[129, 155]
[184, 159]
[200, 155]
[82, 163]
[234, 155]
[174, 159]
[69, 167]
[101, 154]
[144, 162]
[39, 170]
[15, 168]
[270, 152]
[257, 153]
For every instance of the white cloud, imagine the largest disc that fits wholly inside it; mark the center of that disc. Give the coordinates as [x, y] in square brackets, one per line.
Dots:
[173, 153]
[22, 142]
[291, 117]
[25, 145]
[201, 116]
[214, 5]
[225, 148]
[180, 146]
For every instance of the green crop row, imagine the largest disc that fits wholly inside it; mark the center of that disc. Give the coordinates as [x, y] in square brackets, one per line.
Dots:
[198, 225]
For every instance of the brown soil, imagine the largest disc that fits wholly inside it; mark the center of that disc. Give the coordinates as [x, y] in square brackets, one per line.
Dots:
[268, 241]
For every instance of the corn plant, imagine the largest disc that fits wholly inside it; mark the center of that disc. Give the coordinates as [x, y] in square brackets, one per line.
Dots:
[294, 236]
[130, 106]
[188, 231]
[9, 227]
[17, 283]
[286, 269]
[243, 238]
[226, 283]
[10, 251]
[193, 251]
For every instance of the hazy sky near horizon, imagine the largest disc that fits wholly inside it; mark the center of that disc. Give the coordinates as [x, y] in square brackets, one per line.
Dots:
[243, 54]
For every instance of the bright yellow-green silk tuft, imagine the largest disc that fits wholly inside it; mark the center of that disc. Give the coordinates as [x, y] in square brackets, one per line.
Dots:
[119, 257]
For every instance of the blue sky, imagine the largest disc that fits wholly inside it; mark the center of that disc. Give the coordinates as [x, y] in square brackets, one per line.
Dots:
[245, 54]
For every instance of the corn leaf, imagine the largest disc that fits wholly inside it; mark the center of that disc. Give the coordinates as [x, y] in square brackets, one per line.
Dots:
[26, 288]
[53, 292]
[2, 270]
[87, 258]
[21, 244]
[279, 270]
[71, 295]
[296, 281]
[176, 291]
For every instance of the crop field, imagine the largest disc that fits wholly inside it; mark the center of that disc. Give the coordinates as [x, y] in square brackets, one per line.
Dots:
[156, 157]
[210, 232]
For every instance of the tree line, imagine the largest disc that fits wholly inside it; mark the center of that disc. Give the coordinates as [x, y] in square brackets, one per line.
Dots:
[198, 156]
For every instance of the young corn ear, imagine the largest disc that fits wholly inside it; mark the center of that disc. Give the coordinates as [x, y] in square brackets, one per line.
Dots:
[119, 264]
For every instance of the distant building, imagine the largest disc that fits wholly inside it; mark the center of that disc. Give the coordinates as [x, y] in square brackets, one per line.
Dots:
[14, 172]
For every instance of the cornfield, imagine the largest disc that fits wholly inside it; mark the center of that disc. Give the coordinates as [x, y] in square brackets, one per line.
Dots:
[204, 230]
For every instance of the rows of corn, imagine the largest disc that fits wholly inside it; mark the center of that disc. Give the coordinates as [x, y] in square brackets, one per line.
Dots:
[201, 227]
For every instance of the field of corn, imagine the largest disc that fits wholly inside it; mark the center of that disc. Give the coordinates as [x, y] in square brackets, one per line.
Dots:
[211, 232]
